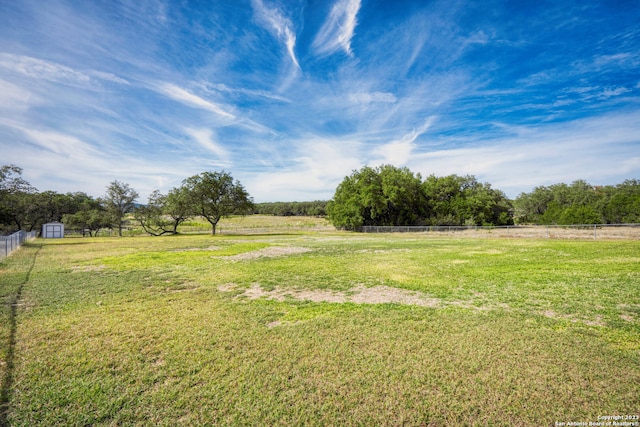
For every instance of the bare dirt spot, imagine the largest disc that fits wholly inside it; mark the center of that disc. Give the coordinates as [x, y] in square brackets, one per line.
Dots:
[627, 318]
[385, 294]
[210, 248]
[269, 252]
[256, 291]
[598, 321]
[381, 251]
[358, 295]
[227, 287]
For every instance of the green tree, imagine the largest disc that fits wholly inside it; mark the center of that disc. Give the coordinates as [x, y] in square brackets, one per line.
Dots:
[118, 202]
[16, 197]
[621, 204]
[578, 203]
[445, 197]
[89, 215]
[176, 207]
[385, 195]
[346, 209]
[579, 215]
[88, 220]
[463, 200]
[151, 216]
[164, 213]
[214, 195]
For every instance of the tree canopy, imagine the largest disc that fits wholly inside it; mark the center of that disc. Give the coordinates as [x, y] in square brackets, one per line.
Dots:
[387, 195]
[315, 208]
[580, 203]
[119, 200]
[214, 195]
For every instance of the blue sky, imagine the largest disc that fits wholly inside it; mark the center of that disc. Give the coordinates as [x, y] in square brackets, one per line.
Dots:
[290, 96]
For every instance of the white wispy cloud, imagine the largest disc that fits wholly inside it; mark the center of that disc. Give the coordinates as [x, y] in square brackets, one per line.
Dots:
[39, 69]
[338, 29]
[594, 149]
[61, 144]
[110, 77]
[13, 97]
[254, 93]
[184, 96]
[205, 138]
[317, 166]
[399, 152]
[274, 21]
[371, 97]
[63, 157]
[613, 92]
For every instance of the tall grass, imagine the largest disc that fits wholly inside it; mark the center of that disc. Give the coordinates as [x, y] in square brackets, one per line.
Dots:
[161, 331]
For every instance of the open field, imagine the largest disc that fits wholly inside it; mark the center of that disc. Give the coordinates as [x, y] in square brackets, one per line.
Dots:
[320, 328]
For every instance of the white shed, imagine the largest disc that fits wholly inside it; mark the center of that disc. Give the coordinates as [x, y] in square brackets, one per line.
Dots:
[53, 230]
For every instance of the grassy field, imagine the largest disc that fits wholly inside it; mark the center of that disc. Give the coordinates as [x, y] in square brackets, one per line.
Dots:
[319, 328]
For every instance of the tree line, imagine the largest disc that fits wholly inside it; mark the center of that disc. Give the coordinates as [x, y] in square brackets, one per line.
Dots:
[210, 195]
[316, 208]
[387, 195]
[384, 195]
[580, 203]
[392, 196]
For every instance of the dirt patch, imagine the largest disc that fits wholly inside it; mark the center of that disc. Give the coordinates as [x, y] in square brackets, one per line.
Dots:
[269, 252]
[358, 295]
[210, 248]
[598, 321]
[256, 291]
[381, 251]
[227, 287]
[627, 318]
[385, 294]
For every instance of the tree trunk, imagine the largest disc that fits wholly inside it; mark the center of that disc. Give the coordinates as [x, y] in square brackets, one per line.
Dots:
[214, 223]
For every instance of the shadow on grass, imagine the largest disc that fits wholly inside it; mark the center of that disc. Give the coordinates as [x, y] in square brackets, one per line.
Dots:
[62, 242]
[7, 381]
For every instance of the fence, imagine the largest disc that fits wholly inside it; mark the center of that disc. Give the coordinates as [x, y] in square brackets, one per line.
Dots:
[584, 231]
[10, 243]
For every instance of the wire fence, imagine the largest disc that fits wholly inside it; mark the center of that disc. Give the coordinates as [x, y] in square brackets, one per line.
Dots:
[579, 231]
[8, 244]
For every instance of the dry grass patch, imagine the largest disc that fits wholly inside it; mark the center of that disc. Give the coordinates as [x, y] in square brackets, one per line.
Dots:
[87, 268]
[268, 252]
[596, 321]
[359, 294]
[210, 248]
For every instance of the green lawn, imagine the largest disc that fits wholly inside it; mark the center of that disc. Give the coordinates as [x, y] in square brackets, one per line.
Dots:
[311, 328]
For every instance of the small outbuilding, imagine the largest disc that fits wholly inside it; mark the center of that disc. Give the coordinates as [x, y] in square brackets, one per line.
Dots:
[53, 230]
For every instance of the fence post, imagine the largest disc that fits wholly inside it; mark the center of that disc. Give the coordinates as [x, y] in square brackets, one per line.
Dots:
[594, 232]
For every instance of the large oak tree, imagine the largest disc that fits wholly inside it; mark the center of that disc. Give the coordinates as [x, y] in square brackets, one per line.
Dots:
[119, 201]
[214, 195]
